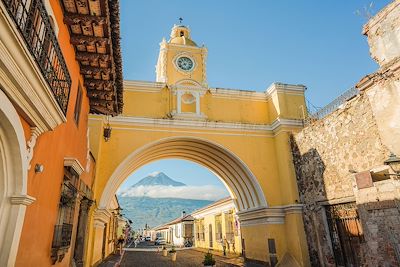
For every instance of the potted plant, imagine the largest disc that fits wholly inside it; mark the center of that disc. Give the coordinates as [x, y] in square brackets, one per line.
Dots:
[173, 253]
[164, 251]
[208, 260]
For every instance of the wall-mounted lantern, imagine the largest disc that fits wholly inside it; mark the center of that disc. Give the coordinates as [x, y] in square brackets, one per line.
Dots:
[107, 130]
[394, 163]
[118, 210]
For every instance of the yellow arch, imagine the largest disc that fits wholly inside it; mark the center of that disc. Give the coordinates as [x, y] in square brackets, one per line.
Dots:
[242, 184]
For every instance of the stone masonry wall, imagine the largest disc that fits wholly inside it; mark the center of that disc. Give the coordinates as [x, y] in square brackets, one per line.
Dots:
[326, 154]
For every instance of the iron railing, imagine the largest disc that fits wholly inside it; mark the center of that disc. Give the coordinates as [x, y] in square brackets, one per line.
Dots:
[62, 235]
[331, 107]
[33, 22]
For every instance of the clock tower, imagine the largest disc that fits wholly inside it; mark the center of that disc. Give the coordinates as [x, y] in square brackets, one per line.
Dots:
[181, 59]
[182, 66]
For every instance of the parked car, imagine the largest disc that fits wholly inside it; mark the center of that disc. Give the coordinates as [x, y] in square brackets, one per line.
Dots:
[148, 238]
[160, 241]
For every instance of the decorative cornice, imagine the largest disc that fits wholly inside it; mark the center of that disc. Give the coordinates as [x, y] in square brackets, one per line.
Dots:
[214, 208]
[155, 87]
[102, 215]
[143, 86]
[208, 125]
[74, 164]
[298, 89]
[179, 47]
[22, 200]
[238, 94]
[188, 116]
[268, 215]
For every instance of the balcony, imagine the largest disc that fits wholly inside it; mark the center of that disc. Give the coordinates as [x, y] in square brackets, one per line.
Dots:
[32, 21]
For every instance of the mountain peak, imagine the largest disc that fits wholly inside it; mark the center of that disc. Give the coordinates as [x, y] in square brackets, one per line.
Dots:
[158, 178]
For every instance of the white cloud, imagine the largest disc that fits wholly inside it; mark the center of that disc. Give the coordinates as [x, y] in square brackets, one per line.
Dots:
[205, 192]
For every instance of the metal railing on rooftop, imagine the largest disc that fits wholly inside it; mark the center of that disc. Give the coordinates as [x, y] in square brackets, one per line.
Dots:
[334, 105]
[33, 22]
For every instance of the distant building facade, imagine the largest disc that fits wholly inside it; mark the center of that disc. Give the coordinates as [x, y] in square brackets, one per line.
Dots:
[177, 232]
[346, 165]
[217, 225]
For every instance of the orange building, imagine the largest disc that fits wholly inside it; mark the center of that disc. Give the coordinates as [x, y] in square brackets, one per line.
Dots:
[59, 61]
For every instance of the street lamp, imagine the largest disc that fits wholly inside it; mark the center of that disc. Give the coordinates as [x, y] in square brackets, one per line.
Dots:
[394, 163]
[107, 130]
[118, 210]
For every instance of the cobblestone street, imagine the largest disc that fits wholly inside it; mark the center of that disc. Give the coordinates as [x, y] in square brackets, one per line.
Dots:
[146, 255]
[187, 257]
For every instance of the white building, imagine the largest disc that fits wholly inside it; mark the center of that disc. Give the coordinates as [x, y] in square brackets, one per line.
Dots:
[176, 232]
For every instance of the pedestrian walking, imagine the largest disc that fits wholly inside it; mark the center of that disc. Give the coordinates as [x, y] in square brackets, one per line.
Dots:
[224, 245]
[120, 243]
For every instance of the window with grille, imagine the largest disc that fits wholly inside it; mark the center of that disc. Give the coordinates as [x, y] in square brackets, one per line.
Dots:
[218, 228]
[229, 226]
[66, 208]
[200, 230]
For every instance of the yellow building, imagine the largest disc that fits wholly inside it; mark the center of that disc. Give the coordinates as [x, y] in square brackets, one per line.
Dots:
[241, 136]
[216, 225]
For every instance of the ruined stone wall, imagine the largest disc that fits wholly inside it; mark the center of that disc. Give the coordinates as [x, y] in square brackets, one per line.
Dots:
[326, 155]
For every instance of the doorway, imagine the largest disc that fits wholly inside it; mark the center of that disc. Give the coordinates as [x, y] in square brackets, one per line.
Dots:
[210, 235]
[346, 233]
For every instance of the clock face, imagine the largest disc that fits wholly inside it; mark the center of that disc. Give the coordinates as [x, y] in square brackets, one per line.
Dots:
[185, 63]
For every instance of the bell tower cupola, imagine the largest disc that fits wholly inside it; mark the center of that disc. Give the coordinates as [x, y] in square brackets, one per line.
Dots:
[181, 35]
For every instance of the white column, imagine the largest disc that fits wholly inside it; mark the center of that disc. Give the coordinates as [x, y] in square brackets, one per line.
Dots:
[178, 99]
[197, 103]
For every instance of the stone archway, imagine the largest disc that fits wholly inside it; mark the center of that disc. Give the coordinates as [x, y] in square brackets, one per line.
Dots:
[241, 183]
[13, 181]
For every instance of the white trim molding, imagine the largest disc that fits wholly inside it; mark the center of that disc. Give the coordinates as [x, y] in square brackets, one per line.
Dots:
[297, 89]
[25, 200]
[74, 164]
[13, 180]
[268, 215]
[143, 86]
[204, 125]
[101, 217]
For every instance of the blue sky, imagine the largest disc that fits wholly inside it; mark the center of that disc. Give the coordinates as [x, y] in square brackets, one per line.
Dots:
[315, 43]
[252, 44]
